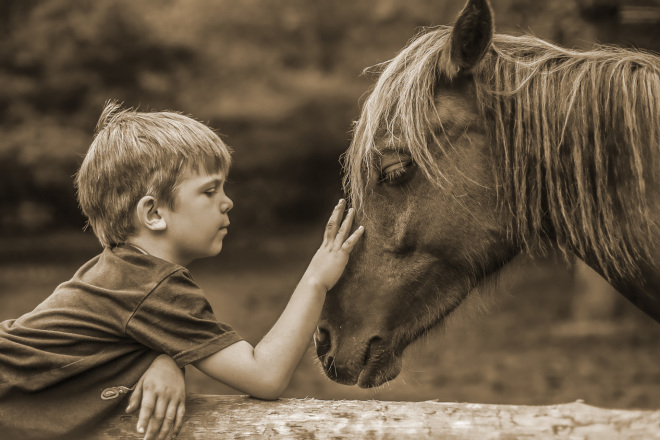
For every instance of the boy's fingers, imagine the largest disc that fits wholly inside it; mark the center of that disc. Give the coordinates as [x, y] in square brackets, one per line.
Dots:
[147, 407]
[168, 421]
[156, 420]
[355, 236]
[333, 223]
[345, 228]
[178, 423]
[136, 396]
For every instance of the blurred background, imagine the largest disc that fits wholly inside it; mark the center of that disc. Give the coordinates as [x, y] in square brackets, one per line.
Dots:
[281, 81]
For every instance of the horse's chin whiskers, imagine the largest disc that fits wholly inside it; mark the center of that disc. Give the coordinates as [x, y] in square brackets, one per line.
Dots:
[315, 359]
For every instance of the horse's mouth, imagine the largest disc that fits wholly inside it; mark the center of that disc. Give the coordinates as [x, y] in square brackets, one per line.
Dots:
[376, 375]
[381, 364]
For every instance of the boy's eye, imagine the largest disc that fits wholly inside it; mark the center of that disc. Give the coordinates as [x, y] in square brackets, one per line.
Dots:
[210, 191]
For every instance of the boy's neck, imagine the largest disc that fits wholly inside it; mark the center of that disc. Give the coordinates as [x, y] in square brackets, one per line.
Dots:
[156, 248]
[133, 245]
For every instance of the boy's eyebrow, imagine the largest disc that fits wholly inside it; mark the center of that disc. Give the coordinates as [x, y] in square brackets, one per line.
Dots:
[214, 180]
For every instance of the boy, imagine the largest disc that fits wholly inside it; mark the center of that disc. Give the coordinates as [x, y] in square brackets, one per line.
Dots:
[151, 186]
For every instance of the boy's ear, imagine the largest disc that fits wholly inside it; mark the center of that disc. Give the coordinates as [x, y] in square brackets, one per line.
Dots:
[148, 215]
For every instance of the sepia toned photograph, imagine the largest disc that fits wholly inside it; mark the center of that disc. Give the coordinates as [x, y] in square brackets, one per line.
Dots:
[315, 219]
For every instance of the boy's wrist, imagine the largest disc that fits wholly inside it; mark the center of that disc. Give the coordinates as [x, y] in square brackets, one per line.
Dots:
[162, 358]
[314, 283]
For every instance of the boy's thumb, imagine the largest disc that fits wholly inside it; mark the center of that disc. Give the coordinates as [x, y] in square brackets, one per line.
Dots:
[134, 401]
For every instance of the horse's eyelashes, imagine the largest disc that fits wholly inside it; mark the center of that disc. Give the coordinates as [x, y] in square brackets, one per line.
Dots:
[396, 172]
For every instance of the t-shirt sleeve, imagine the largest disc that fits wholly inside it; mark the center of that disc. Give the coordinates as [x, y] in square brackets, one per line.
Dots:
[177, 319]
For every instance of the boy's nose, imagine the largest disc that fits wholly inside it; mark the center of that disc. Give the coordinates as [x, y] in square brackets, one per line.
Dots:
[226, 205]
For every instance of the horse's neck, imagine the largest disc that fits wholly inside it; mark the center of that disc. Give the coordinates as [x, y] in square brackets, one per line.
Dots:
[642, 290]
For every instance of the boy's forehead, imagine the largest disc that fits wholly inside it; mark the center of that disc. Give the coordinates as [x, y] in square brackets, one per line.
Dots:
[202, 174]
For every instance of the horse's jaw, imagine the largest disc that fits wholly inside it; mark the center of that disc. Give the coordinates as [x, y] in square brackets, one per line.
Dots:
[366, 347]
[364, 332]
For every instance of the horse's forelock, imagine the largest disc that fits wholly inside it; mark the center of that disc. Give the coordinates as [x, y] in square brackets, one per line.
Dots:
[399, 111]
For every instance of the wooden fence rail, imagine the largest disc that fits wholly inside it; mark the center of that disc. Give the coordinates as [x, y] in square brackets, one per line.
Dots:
[241, 417]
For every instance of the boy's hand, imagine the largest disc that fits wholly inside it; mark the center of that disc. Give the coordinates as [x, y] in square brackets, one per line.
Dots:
[329, 261]
[162, 391]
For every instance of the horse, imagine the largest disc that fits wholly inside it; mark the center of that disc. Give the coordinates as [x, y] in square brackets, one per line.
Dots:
[473, 148]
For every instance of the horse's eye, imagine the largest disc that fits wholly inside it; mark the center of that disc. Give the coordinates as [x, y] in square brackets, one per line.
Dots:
[395, 172]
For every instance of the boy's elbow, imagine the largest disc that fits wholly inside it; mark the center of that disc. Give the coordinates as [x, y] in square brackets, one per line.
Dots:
[270, 388]
[267, 395]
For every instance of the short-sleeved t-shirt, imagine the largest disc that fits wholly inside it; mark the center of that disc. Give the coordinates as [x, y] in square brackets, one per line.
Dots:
[63, 365]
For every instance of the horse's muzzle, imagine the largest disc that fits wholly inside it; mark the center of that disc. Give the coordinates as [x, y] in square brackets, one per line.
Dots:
[367, 362]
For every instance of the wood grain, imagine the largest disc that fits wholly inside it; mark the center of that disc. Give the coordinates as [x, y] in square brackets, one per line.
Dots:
[241, 417]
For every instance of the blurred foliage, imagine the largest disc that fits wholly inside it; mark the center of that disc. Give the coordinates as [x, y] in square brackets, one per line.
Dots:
[280, 79]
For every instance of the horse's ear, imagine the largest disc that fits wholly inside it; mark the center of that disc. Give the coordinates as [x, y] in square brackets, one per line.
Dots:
[472, 34]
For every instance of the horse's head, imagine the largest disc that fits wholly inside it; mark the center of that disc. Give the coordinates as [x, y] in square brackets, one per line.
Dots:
[472, 147]
[420, 174]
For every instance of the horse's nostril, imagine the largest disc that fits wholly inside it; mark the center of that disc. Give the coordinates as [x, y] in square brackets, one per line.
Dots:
[322, 336]
[323, 343]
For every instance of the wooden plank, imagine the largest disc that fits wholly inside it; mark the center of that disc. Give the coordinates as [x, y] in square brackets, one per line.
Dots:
[241, 417]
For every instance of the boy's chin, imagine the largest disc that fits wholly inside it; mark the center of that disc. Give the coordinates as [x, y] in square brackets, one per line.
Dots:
[216, 250]
[210, 252]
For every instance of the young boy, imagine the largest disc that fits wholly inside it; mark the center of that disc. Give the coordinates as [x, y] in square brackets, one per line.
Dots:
[151, 186]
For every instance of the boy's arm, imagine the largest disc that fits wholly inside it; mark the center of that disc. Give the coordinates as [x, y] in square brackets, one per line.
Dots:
[265, 370]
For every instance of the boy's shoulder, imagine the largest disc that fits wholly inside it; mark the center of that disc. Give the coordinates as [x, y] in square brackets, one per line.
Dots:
[120, 277]
[126, 265]
[108, 289]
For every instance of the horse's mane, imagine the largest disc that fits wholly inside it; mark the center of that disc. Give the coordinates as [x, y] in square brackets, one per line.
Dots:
[574, 133]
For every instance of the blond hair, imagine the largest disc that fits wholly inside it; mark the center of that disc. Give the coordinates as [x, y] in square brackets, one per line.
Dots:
[136, 154]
